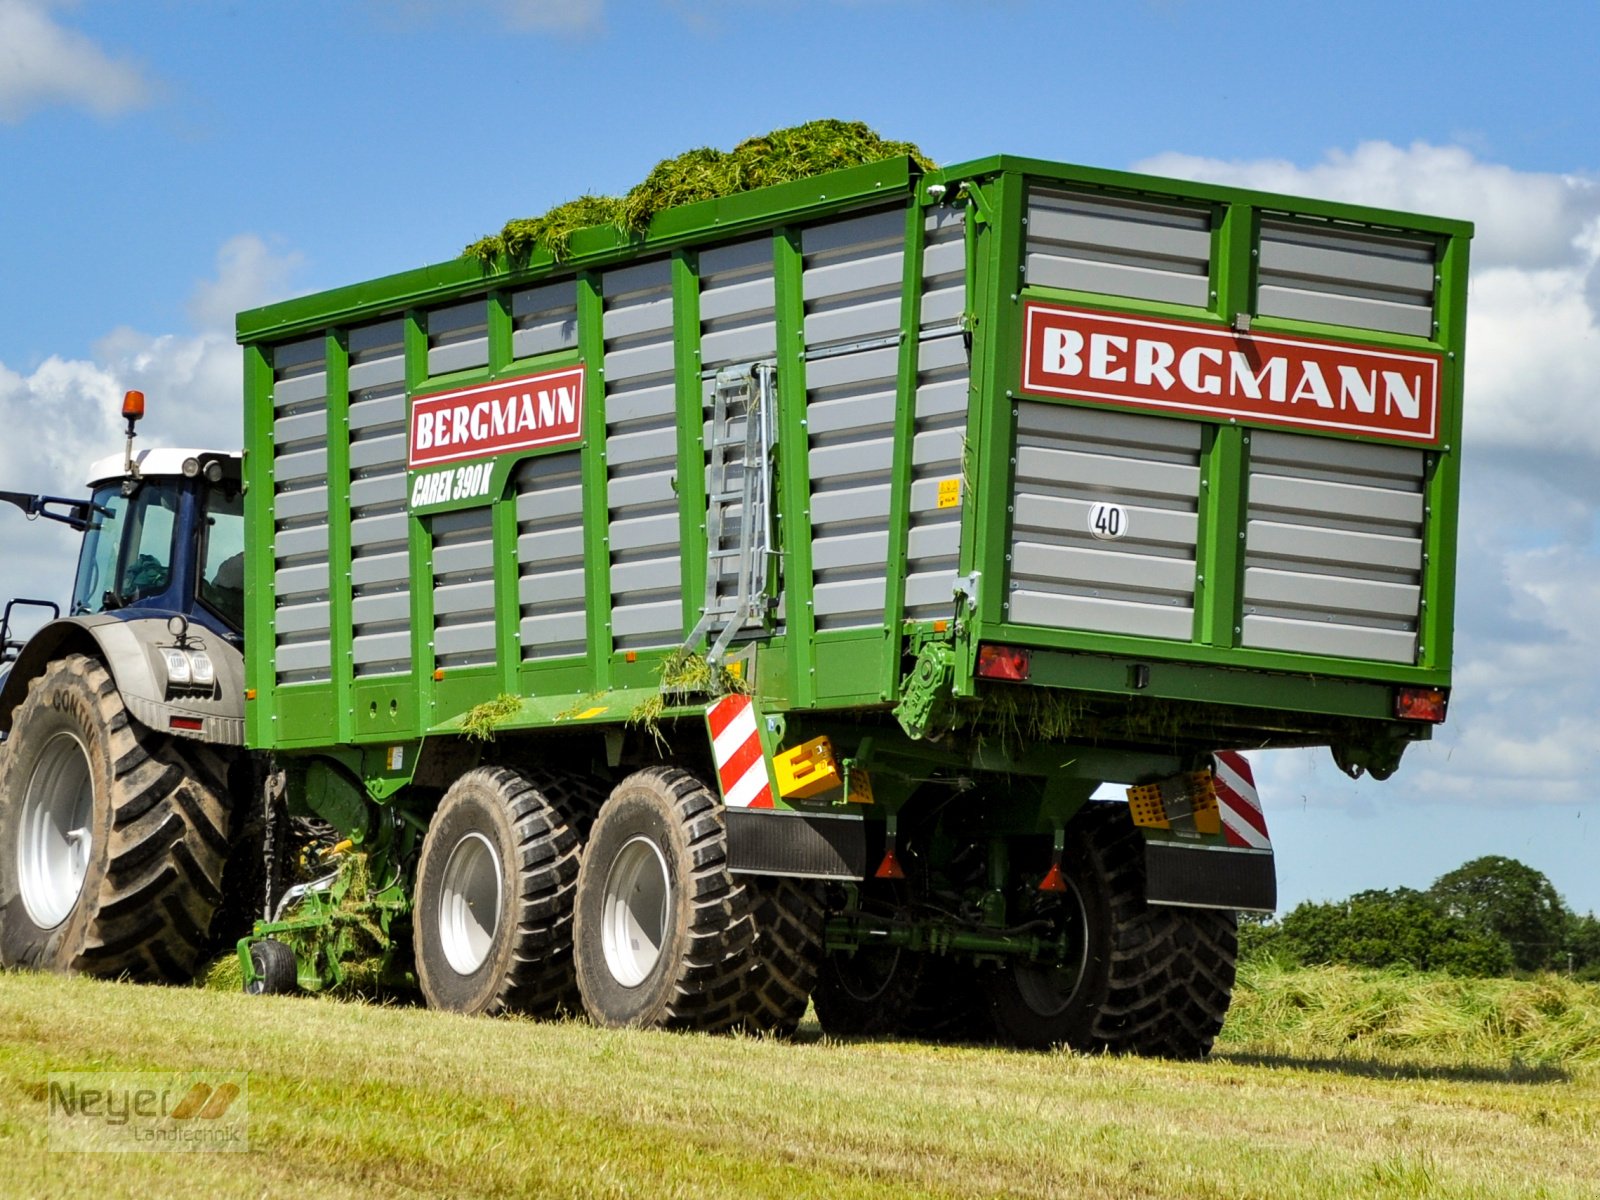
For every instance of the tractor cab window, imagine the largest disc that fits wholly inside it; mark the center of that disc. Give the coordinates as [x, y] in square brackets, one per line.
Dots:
[127, 551]
[222, 553]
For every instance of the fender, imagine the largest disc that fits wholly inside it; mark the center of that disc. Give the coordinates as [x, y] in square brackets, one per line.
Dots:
[131, 650]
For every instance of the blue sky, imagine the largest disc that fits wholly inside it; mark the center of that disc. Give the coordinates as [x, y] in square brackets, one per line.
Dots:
[163, 164]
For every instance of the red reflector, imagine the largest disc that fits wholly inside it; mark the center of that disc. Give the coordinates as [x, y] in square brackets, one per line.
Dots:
[1004, 662]
[1421, 704]
[889, 868]
[1052, 882]
[194, 724]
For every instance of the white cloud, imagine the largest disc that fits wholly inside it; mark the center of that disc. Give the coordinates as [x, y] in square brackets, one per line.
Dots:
[249, 273]
[43, 63]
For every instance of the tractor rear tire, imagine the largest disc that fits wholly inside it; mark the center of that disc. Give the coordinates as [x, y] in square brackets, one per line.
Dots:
[1141, 978]
[113, 837]
[495, 886]
[665, 935]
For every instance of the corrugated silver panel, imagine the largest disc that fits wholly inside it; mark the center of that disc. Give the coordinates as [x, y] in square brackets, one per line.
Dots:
[850, 406]
[544, 319]
[1345, 277]
[458, 337]
[852, 280]
[300, 511]
[463, 588]
[642, 457]
[380, 549]
[1089, 242]
[1333, 552]
[737, 299]
[550, 584]
[1069, 459]
[934, 547]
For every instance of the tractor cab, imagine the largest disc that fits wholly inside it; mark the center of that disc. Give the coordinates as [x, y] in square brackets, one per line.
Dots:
[167, 539]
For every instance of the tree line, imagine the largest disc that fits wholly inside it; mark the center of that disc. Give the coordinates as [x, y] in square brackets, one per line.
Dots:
[1491, 916]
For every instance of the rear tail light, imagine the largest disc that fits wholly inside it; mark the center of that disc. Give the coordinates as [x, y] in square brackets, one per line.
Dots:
[1004, 662]
[1421, 704]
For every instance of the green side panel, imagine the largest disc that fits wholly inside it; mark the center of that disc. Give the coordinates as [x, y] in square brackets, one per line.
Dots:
[794, 475]
[259, 629]
[419, 545]
[596, 516]
[303, 715]
[339, 600]
[383, 710]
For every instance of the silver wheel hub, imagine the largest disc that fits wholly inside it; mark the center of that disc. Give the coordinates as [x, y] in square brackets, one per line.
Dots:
[634, 916]
[56, 842]
[469, 903]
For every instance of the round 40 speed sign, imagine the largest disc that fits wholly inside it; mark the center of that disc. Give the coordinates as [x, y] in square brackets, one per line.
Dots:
[1108, 522]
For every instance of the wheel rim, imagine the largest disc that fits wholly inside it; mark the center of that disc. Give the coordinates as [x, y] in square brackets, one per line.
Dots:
[633, 923]
[1049, 990]
[56, 841]
[469, 903]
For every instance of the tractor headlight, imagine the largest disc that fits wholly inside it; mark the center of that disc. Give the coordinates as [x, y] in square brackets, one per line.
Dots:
[201, 670]
[178, 670]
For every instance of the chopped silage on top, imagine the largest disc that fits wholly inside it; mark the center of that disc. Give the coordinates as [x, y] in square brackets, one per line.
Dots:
[704, 173]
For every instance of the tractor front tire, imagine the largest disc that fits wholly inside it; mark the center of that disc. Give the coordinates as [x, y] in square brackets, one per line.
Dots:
[113, 837]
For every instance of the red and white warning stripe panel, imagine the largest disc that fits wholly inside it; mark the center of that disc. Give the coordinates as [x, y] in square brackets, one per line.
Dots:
[1243, 821]
[736, 747]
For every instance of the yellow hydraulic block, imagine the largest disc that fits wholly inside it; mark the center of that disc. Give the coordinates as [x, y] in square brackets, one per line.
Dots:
[807, 770]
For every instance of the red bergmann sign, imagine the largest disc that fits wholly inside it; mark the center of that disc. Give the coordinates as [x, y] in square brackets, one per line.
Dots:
[1168, 365]
[497, 418]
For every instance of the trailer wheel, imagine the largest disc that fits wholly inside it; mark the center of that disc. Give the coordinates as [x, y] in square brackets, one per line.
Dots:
[665, 936]
[866, 992]
[112, 837]
[787, 918]
[949, 1002]
[1137, 978]
[493, 901]
[277, 973]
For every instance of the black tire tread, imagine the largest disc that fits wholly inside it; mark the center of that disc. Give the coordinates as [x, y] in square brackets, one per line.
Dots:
[787, 953]
[169, 836]
[1172, 970]
[548, 812]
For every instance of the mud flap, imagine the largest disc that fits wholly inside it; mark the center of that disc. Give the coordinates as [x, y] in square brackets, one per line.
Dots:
[1206, 841]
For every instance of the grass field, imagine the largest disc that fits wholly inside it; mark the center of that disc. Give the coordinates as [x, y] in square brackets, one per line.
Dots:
[1327, 1084]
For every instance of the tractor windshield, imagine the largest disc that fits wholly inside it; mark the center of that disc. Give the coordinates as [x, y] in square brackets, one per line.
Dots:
[127, 550]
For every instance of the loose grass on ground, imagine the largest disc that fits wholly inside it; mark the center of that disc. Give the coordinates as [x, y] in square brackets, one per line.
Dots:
[356, 1100]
